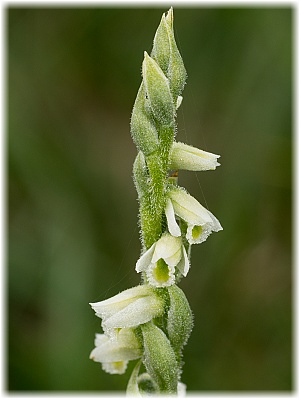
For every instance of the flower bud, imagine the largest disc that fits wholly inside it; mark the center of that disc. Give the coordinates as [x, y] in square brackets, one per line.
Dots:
[161, 45]
[146, 385]
[159, 358]
[143, 130]
[158, 92]
[166, 54]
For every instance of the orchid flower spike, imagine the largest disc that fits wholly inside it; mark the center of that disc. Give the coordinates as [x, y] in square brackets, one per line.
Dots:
[187, 157]
[114, 354]
[130, 308]
[160, 260]
[153, 321]
[201, 223]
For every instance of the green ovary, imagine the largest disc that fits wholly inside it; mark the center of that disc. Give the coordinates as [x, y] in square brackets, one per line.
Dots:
[196, 232]
[161, 271]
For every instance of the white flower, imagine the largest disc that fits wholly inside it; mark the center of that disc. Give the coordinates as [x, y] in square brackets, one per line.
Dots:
[160, 260]
[115, 353]
[201, 223]
[130, 308]
[187, 157]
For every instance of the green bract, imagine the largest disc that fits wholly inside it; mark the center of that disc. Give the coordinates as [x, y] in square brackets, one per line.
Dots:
[159, 358]
[140, 174]
[180, 318]
[153, 321]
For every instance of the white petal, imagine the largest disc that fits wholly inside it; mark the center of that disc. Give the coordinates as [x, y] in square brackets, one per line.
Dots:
[188, 208]
[101, 339]
[206, 230]
[112, 305]
[145, 260]
[173, 227]
[113, 352]
[174, 259]
[115, 368]
[138, 312]
[165, 247]
[216, 224]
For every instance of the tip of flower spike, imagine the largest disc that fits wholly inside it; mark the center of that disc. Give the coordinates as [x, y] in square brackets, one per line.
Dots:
[170, 16]
[146, 61]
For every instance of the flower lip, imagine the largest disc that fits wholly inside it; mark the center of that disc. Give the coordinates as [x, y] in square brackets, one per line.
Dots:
[160, 274]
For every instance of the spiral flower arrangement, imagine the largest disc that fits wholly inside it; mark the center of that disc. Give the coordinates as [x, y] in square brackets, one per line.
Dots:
[152, 322]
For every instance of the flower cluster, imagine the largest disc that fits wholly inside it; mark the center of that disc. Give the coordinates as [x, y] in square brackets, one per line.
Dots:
[121, 315]
[153, 321]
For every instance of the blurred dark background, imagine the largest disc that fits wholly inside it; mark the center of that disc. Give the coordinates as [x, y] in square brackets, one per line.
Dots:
[72, 78]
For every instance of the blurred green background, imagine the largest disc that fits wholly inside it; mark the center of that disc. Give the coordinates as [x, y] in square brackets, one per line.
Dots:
[72, 78]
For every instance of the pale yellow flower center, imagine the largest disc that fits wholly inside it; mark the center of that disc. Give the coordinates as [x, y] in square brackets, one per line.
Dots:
[196, 232]
[161, 271]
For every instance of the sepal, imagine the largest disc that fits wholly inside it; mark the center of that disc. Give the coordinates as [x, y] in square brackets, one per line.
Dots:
[130, 308]
[187, 157]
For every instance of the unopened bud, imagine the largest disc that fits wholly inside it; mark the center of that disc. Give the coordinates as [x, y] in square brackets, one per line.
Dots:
[143, 130]
[158, 92]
